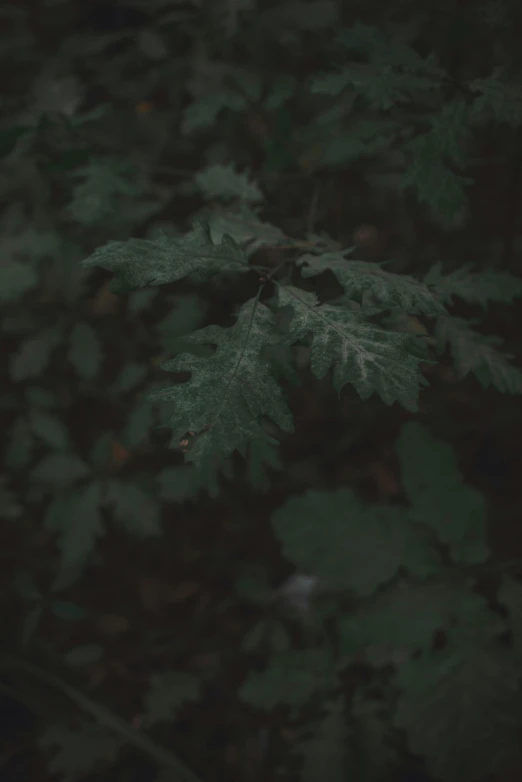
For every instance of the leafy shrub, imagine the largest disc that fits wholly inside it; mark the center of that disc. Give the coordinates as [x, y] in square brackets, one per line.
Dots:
[248, 309]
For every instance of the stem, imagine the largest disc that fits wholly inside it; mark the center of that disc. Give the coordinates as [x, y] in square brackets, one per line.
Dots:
[105, 717]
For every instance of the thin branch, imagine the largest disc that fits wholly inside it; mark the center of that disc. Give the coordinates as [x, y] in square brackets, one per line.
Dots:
[105, 717]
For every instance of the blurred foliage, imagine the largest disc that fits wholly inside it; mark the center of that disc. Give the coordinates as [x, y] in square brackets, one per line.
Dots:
[330, 600]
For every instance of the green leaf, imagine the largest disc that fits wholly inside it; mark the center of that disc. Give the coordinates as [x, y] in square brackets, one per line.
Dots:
[253, 590]
[475, 352]
[187, 315]
[80, 753]
[245, 228]
[373, 748]
[345, 543]
[101, 452]
[474, 287]
[498, 98]
[84, 351]
[204, 111]
[218, 181]
[327, 747]
[77, 519]
[137, 511]
[142, 300]
[177, 484]
[369, 284]
[34, 354]
[138, 263]
[63, 609]
[50, 429]
[435, 182]
[510, 595]
[20, 445]
[131, 376]
[341, 146]
[440, 498]
[259, 455]
[39, 397]
[167, 693]
[366, 356]
[292, 678]
[104, 181]
[386, 46]
[381, 92]
[460, 708]
[60, 470]
[84, 655]
[401, 621]
[9, 138]
[16, 278]
[285, 87]
[229, 391]
[139, 425]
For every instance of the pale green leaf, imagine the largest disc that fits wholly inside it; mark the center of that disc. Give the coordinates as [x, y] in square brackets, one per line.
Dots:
[369, 358]
[370, 285]
[137, 263]
[229, 391]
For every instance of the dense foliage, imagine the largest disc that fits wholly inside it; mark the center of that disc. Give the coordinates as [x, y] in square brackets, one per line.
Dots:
[182, 185]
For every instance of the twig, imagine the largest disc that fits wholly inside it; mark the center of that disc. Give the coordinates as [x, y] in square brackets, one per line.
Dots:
[105, 717]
